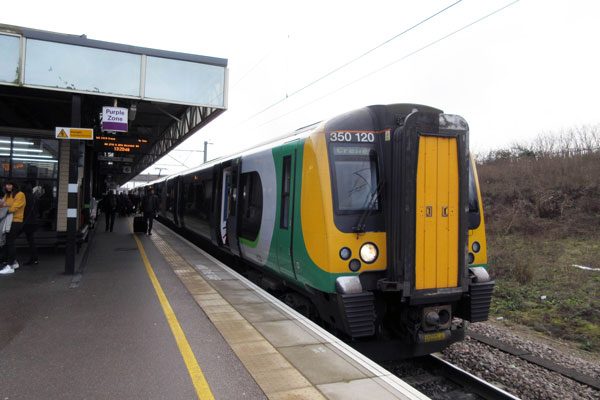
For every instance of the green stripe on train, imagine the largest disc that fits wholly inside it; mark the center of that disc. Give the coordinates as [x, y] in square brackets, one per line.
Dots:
[304, 270]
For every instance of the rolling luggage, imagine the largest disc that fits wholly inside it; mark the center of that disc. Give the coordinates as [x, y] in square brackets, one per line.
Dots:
[139, 225]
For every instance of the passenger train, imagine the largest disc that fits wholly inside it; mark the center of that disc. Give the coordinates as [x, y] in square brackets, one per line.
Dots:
[370, 222]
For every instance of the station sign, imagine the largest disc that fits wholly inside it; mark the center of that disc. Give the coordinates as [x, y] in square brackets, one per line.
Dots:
[74, 133]
[115, 119]
[120, 144]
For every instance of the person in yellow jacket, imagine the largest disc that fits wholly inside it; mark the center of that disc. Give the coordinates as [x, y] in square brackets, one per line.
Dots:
[14, 199]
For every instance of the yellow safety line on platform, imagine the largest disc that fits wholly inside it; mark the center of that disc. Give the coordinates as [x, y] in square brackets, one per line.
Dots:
[202, 389]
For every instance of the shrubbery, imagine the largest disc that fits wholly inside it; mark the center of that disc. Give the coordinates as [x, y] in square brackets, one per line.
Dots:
[542, 208]
[553, 184]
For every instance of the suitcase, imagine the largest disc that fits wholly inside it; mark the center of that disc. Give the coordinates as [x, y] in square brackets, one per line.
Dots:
[139, 224]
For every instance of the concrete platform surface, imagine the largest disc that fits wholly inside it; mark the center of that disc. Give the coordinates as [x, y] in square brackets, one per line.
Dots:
[108, 338]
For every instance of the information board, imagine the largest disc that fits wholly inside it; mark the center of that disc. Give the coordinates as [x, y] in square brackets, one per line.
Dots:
[120, 144]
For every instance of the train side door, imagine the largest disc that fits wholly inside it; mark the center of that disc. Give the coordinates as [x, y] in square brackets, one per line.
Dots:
[225, 203]
[284, 225]
[229, 204]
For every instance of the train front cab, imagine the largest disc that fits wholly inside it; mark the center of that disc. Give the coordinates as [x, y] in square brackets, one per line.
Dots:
[417, 218]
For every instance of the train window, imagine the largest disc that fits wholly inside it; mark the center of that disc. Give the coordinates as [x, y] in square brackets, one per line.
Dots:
[207, 195]
[355, 178]
[285, 192]
[473, 203]
[251, 205]
[474, 215]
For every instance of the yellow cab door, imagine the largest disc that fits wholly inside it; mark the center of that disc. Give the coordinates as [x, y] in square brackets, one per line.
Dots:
[437, 213]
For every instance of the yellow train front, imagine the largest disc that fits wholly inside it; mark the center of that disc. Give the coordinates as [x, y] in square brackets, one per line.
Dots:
[391, 208]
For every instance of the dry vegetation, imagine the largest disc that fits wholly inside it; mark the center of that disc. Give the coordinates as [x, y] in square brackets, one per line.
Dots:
[542, 204]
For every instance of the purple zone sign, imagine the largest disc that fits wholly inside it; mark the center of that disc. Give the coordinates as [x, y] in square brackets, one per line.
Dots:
[114, 119]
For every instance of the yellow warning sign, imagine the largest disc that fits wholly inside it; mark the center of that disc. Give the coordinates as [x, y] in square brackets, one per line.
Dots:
[74, 133]
[82, 133]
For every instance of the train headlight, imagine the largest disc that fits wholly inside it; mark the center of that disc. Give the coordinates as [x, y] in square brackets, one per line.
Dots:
[471, 258]
[368, 253]
[345, 253]
[476, 247]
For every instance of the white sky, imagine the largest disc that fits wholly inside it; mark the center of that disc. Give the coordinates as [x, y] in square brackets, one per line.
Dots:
[532, 68]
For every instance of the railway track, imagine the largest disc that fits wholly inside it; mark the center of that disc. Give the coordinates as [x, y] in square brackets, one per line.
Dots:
[533, 359]
[441, 380]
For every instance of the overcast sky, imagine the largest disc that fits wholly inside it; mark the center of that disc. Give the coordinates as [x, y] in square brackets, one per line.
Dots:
[533, 67]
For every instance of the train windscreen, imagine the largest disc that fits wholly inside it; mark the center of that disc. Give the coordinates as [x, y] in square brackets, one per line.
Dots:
[356, 178]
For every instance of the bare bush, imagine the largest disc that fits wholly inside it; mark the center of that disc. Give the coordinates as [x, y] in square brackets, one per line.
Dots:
[554, 178]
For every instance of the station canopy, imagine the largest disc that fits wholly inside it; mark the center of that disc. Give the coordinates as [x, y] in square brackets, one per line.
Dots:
[169, 95]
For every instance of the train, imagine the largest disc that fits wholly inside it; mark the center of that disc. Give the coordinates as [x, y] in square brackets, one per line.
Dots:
[370, 222]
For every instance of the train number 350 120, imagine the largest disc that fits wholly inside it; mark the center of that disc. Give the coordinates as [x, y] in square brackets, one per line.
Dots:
[363, 137]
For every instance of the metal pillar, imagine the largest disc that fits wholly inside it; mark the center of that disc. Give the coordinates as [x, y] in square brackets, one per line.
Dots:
[72, 193]
[87, 182]
[205, 151]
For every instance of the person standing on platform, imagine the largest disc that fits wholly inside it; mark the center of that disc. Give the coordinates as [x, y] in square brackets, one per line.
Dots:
[150, 205]
[30, 223]
[15, 201]
[109, 206]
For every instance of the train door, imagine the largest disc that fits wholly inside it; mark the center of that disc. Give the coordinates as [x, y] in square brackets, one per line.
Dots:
[283, 226]
[427, 204]
[225, 203]
[437, 224]
[228, 221]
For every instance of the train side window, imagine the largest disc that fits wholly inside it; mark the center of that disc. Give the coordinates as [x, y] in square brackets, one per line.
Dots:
[285, 192]
[206, 195]
[251, 205]
[474, 216]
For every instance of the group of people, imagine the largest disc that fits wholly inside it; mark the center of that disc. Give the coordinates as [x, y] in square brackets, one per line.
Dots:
[148, 205]
[18, 214]
[19, 211]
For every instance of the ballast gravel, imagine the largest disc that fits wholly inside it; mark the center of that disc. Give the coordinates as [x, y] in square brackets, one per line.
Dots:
[517, 376]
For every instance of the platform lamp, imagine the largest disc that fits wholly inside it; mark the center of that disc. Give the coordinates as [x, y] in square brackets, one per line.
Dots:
[132, 111]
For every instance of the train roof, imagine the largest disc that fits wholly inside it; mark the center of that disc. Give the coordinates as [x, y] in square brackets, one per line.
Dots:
[288, 137]
[361, 116]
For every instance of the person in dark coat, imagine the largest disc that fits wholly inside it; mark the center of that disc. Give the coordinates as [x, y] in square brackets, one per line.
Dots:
[109, 206]
[30, 223]
[150, 206]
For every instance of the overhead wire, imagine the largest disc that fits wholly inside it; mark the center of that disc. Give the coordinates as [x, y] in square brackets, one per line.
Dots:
[393, 62]
[347, 63]
[342, 66]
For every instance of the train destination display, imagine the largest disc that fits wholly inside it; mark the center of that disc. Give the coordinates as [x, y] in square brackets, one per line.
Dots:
[121, 144]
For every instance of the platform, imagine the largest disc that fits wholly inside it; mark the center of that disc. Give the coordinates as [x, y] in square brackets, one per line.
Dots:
[157, 318]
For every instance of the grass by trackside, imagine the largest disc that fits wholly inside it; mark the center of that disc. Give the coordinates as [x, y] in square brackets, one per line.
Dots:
[537, 286]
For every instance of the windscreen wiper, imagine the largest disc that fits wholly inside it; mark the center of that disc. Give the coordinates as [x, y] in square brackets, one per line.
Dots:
[360, 225]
